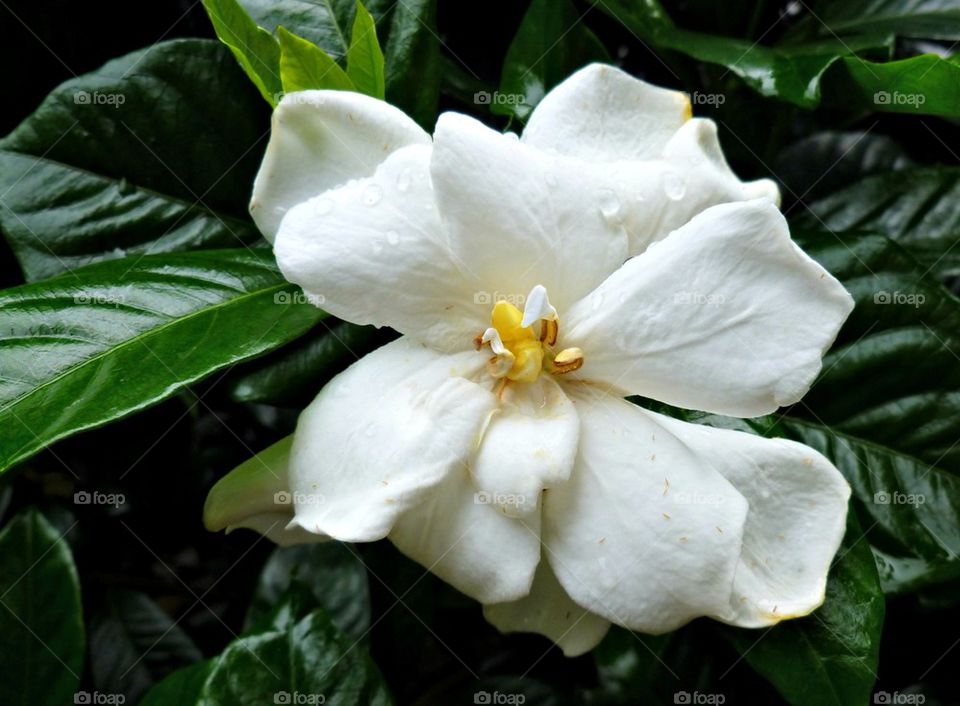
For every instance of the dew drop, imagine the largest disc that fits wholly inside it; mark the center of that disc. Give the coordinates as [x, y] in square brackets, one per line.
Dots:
[393, 237]
[674, 186]
[609, 203]
[403, 181]
[377, 247]
[372, 195]
[512, 136]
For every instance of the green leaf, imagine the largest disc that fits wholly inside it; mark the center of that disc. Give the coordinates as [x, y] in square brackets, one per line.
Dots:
[830, 657]
[106, 340]
[133, 643]
[295, 375]
[325, 23]
[919, 208]
[364, 57]
[925, 19]
[920, 85]
[412, 59]
[551, 43]
[165, 165]
[41, 618]
[254, 47]
[304, 65]
[182, 688]
[307, 659]
[332, 572]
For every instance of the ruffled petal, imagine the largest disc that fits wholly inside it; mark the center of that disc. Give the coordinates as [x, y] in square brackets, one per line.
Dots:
[321, 139]
[604, 114]
[469, 543]
[530, 445]
[382, 436]
[549, 610]
[374, 252]
[726, 315]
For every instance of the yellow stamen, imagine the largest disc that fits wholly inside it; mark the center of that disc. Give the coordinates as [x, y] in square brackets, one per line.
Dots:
[566, 361]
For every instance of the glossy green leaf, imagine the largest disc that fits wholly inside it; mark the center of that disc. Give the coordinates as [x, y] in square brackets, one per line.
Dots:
[89, 347]
[925, 19]
[304, 65]
[412, 59]
[41, 619]
[830, 657]
[133, 643]
[307, 659]
[364, 57]
[153, 152]
[551, 43]
[919, 208]
[325, 23]
[333, 573]
[253, 47]
[295, 375]
[181, 688]
[920, 85]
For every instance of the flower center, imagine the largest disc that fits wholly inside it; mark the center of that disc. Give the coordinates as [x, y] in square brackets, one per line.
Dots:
[523, 341]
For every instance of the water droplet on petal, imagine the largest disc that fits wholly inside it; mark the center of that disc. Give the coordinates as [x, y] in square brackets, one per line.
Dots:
[551, 179]
[372, 195]
[674, 186]
[403, 181]
[513, 136]
[377, 247]
[596, 300]
[393, 237]
[609, 203]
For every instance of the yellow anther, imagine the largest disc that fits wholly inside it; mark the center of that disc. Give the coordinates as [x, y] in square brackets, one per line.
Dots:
[566, 361]
[519, 341]
[549, 331]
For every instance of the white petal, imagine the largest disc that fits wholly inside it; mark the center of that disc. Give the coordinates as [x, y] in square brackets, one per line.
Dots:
[373, 252]
[382, 435]
[645, 533]
[529, 445]
[690, 176]
[469, 544]
[797, 518]
[320, 139]
[725, 315]
[519, 217]
[602, 113]
[550, 611]
[256, 495]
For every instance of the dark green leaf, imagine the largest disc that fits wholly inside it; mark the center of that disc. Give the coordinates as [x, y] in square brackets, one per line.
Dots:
[304, 65]
[252, 46]
[133, 643]
[94, 345]
[926, 19]
[295, 375]
[182, 688]
[332, 572]
[166, 165]
[920, 85]
[412, 59]
[325, 23]
[919, 208]
[364, 57]
[309, 659]
[40, 614]
[830, 657]
[551, 43]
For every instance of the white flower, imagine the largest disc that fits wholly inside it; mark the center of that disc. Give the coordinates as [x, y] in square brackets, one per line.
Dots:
[607, 252]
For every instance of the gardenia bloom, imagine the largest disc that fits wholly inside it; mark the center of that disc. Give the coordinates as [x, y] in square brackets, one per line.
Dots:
[537, 281]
